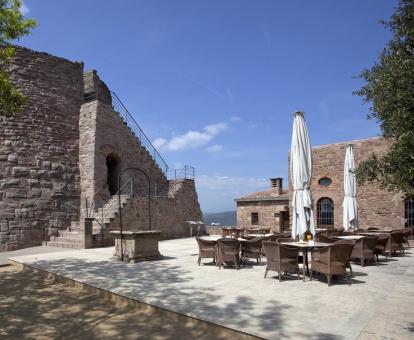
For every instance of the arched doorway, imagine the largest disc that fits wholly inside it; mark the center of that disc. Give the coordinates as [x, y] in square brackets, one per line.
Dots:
[113, 168]
[325, 213]
[409, 211]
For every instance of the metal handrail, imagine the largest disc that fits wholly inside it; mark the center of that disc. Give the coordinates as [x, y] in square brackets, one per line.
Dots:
[188, 172]
[139, 133]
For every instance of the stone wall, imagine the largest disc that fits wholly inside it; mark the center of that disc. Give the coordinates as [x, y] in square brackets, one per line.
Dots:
[376, 207]
[272, 214]
[104, 134]
[39, 184]
[168, 214]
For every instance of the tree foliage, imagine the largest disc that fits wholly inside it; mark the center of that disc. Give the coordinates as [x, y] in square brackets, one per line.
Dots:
[389, 89]
[12, 26]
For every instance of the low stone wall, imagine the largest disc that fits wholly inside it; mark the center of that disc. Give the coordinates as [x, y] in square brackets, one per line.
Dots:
[168, 214]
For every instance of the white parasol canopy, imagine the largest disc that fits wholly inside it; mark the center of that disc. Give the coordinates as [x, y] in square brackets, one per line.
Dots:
[301, 174]
[350, 207]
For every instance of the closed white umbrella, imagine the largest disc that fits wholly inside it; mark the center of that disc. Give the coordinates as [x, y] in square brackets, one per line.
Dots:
[301, 174]
[349, 206]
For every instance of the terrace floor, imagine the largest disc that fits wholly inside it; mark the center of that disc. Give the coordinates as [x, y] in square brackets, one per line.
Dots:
[378, 304]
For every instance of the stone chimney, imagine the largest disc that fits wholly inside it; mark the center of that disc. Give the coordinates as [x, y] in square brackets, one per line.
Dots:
[277, 185]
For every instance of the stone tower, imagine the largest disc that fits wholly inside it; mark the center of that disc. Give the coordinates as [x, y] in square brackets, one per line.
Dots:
[61, 154]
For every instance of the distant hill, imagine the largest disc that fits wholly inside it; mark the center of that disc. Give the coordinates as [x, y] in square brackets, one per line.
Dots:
[224, 218]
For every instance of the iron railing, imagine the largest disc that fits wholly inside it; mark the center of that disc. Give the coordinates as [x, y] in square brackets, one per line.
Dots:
[139, 133]
[188, 172]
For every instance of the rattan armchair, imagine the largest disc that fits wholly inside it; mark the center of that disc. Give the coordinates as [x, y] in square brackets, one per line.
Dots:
[273, 238]
[364, 249]
[332, 260]
[206, 249]
[253, 231]
[324, 238]
[281, 259]
[252, 249]
[406, 235]
[381, 247]
[228, 251]
[396, 241]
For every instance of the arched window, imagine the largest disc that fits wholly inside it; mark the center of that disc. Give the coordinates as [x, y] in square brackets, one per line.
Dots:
[325, 213]
[409, 211]
[112, 166]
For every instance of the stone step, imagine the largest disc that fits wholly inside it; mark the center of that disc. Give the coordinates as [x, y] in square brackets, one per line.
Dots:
[66, 239]
[62, 244]
[66, 233]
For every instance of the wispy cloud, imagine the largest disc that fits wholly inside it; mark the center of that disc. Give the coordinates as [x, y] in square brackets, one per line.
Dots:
[235, 119]
[225, 94]
[214, 148]
[231, 185]
[191, 139]
[24, 9]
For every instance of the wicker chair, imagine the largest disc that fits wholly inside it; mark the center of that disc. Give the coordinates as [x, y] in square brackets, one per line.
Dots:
[360, 230]
[406, 235]
[273, 238]
[396, 240]
[252, 249]
[324, 238]
[265, 231]
[281, 259]
[206, 249]
[381, 247]
[332, 260]
[253, 231]
[225, 232]
[364, 250]
[228, 250]
[280, 240]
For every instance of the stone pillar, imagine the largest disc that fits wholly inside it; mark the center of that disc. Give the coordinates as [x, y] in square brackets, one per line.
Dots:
[85, 230]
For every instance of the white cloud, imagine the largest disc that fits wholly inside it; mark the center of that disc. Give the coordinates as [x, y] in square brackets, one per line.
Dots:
[24, 9]
[214, 148]
[233, 185]
[217, 193]
[235, 119]
[191, 139]
[159, 142]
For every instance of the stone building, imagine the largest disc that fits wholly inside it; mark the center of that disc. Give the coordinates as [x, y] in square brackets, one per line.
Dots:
[265, 208]
[60, 158]
[376, 207]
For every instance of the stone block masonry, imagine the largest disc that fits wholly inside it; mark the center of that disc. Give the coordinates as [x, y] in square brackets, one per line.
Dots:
[68, 145]
[39, 148]
[376, 207]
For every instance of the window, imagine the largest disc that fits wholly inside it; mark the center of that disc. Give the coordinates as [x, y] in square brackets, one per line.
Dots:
[255, 218]
[409, 211]
[325, 182]
[325, 213]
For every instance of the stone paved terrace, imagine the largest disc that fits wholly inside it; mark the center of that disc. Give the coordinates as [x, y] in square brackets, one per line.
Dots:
[379, 303]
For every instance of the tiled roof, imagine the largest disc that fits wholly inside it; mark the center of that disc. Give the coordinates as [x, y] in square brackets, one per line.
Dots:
[268, 195]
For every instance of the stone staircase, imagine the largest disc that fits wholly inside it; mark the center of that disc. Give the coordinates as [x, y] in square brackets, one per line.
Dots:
[106, 219]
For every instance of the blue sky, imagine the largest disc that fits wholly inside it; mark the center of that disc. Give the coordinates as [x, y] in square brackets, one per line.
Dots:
[214, 83]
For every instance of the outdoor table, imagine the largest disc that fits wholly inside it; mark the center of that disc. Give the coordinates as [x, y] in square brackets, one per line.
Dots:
[349, 237]
[304, 247]
[260, 235]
